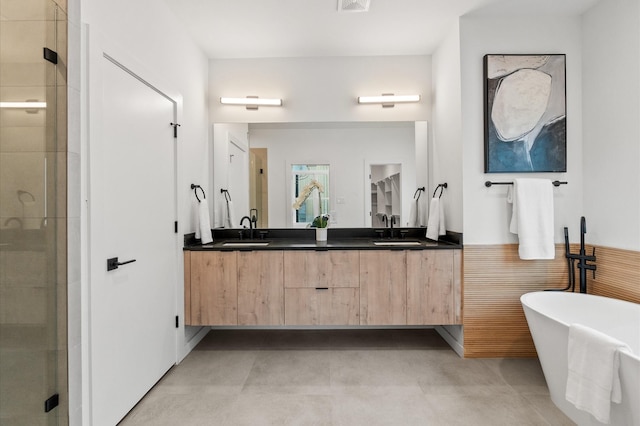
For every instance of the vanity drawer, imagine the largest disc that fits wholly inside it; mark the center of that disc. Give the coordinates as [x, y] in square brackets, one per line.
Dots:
[331, 268]
[322, 306]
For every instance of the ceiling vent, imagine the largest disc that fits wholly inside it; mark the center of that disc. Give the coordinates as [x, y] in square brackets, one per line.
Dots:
[353, 5]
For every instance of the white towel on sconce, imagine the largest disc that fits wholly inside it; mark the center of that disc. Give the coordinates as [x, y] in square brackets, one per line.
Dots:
[435, 224]
[203, 228]
[593, 381]
[532, 217]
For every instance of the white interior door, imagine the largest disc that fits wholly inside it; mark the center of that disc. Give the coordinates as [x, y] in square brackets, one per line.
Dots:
[132, 213]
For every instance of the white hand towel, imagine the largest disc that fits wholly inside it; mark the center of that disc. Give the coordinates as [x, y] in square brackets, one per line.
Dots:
[413, 215]
[230, 215]
[435, 225]
[532, 217]
[204, 223]
[593, 381]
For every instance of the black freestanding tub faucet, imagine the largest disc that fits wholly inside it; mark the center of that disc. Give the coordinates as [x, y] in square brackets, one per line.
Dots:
[583, 257]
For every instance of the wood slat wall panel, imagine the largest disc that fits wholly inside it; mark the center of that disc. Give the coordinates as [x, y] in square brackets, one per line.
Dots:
[495, 278]
[617, 274]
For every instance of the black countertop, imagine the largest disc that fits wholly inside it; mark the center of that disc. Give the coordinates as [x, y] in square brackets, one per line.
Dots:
[337, 239]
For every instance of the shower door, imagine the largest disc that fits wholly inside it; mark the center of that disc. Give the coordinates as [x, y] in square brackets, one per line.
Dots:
[32, 213]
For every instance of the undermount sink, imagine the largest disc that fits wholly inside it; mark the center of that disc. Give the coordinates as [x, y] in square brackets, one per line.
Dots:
[397, 243]
[245, 244]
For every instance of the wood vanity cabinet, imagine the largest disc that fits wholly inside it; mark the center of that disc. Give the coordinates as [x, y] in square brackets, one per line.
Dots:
[260, 288]
[434, 287]
[321, 287]
[213, 288]
[330, 287]
[383, 287]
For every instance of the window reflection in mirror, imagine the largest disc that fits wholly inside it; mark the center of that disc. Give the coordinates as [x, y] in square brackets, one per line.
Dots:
[310, 192]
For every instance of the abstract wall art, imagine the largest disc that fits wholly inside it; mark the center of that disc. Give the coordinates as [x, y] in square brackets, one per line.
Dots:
[525, 113]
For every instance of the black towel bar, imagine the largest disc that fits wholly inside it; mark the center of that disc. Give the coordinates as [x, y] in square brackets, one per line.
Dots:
[488, 183]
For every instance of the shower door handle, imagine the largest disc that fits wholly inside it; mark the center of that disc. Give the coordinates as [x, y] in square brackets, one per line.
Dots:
[113, 263]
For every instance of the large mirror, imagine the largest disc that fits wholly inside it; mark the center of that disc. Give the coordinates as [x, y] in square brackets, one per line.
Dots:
[362, 174]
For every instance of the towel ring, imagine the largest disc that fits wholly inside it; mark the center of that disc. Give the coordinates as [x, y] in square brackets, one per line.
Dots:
[227, 196]
[419, 191]
[440, 186]
[195, 191]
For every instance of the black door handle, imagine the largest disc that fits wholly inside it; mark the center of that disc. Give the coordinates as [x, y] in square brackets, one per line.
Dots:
[113, 263]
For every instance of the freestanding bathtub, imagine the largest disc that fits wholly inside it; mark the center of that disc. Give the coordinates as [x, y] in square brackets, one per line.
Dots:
[549, 314]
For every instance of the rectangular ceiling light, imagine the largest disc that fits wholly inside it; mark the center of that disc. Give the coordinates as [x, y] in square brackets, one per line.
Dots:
[388, 99]
[251, 101]
[23, 105]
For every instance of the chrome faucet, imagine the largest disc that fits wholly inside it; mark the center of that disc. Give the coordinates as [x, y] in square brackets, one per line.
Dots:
[250, 225]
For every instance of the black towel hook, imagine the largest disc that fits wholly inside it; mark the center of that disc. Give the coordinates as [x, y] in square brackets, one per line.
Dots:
[440, 186]
[195, 191]
[419, 192]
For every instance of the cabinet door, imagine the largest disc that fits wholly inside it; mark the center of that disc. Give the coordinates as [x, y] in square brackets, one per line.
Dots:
[260, 288]
[214, 292]
[383, 287]
[331, 268]
[433, 287]
[321, 306]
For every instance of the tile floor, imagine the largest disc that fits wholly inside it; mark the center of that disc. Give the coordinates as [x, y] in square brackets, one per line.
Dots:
[344, 377]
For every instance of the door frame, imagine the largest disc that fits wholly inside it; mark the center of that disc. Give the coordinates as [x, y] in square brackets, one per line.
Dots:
[368, 214]
[98, 48]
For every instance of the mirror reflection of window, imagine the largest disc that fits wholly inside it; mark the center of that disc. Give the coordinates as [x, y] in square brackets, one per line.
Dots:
[315, 202]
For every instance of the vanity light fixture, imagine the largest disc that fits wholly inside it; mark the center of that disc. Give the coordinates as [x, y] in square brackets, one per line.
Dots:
[251, 102]
[23, 105]
[388, 100]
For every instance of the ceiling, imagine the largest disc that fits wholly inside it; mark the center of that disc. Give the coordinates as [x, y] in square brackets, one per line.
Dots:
[310, 28]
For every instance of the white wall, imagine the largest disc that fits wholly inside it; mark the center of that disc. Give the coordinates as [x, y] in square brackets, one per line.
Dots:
[446, 145]
[346, 146]
[220, 169]
[422, 170]
[611, 123]
[320, 89]
[485, 211]
[147, 31]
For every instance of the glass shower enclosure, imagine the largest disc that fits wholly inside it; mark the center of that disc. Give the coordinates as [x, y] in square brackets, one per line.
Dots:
[33, 360]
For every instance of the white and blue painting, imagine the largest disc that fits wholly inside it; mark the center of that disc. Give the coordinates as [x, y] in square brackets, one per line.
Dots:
[525, 113]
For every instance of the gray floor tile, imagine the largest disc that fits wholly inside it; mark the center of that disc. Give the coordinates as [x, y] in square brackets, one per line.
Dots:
[480, 410]
[344, 377]
[277, 409]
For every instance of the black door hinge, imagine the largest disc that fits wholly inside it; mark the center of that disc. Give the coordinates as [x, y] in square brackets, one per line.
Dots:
[175, 129]
[51, 403]
[175, 226]
[50, 55]
[177, 321]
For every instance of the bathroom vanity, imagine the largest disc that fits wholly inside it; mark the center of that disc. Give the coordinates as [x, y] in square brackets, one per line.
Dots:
[358, 277]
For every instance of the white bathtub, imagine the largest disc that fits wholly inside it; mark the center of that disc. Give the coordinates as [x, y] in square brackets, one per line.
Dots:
[549, 314]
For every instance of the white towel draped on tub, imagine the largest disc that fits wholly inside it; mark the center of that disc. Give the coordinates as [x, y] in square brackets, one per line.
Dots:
[593, 381]
[532, 217]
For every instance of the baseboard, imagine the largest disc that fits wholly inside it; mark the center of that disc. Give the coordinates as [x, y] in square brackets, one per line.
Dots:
[455, 345]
